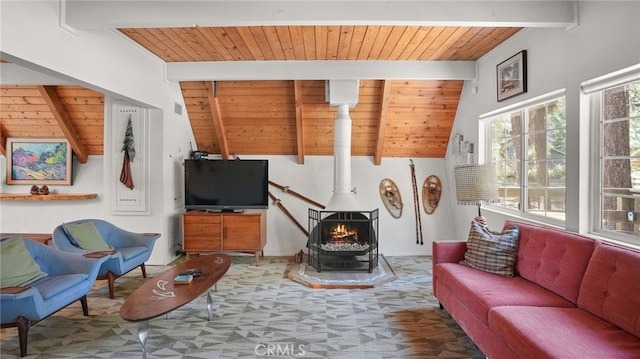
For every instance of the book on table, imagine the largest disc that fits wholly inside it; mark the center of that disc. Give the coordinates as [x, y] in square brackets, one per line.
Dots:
[183, 279]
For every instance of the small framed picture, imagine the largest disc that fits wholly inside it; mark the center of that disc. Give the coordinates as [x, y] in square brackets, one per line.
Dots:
[512, 76]
[39, 161]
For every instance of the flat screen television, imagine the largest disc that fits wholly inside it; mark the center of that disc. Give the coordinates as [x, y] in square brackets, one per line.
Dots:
[226, 185]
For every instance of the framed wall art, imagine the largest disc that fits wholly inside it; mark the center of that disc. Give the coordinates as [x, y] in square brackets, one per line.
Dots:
[512, 76]
[39, 161]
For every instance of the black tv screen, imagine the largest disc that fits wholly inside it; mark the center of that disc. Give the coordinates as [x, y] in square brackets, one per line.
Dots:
[226, 185]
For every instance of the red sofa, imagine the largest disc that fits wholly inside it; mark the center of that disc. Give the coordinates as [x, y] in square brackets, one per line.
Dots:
[571, 297]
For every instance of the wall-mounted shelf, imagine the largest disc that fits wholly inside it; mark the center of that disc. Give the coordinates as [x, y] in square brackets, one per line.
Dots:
[46, 197]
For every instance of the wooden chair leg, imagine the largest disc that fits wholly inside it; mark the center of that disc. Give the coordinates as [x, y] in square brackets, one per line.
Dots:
[23, 330]
[144, 270]
[85, 306]
[111, 278]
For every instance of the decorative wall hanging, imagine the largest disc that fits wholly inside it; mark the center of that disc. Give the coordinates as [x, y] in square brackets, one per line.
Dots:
[416, 204]
[126, 177]
[39, 161]
[431, 192]
[129, 178]
[390, 195]
[512, 76]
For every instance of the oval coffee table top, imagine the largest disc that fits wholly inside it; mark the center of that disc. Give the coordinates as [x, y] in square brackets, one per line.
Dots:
[159, 295]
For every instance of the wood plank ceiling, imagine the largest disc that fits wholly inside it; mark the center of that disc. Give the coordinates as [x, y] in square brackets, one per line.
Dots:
[393, 118]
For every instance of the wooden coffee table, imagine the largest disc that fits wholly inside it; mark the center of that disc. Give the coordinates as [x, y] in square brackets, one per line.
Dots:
[159, 295]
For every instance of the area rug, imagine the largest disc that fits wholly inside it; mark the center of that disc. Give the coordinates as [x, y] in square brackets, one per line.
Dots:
[257, 309]
[303, 273]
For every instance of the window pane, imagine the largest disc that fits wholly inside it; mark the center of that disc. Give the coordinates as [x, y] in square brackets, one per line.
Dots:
[504, 150]
[620, 159]
[542, 156]
[557, 202]
[616, 209]
[557, 172]
[507, 172]
[616, 103]
[508, 184]
[618, 175]
[556, 143]
[509, 197]
[536, 202]
[634, 137]
[634, 99]
[616, 138]
[537, 146]
[536, 173]
[506, 126]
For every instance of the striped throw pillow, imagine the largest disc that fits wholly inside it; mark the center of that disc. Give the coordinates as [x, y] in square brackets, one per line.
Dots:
[492, 252]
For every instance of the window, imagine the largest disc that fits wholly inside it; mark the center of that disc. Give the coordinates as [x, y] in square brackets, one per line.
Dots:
[614, 102]
[617, 111]
[528, 146]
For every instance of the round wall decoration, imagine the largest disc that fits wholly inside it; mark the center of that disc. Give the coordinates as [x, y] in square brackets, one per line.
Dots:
[390, 195]
[431, 192]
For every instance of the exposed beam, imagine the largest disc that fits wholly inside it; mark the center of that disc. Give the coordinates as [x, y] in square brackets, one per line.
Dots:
[3, 151]
[14, 74]
[144, 13]
[320, 70]
[382, 116]
[216, 115]
[64, 121]
[297, 89]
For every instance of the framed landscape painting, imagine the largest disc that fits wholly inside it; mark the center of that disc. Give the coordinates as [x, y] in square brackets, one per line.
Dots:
[512, 76]
[38, 161]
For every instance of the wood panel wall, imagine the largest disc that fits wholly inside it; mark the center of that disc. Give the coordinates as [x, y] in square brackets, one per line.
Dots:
[26, 112]
[262, 117]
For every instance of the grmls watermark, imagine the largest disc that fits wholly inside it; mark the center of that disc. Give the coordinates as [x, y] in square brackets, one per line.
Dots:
[280, 350]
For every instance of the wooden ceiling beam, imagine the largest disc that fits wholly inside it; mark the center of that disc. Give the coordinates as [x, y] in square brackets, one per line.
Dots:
[297, 88]
[3, 151]
[319, 70]
[58, 111]
[216, 116]
[382, 117]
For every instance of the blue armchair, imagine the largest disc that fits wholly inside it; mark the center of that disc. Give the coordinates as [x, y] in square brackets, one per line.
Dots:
[69, 277]
[131, 249]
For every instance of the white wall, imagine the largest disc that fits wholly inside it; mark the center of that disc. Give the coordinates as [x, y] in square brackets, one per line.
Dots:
[607, 39]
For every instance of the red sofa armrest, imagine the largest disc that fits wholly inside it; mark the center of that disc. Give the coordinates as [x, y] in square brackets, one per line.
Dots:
[448, 252]
[445, 252]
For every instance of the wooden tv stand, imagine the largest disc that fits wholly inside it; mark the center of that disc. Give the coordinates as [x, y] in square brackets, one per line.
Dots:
[244, 232]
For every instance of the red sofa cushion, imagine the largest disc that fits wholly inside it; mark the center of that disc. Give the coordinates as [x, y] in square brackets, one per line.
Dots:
[482, 291]
[611, 286]
[552, 258]
[546, 332]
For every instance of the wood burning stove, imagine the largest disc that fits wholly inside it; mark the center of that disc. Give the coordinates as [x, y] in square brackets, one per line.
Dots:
[343, 240]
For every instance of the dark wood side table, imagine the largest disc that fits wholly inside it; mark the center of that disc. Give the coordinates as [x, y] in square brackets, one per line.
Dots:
[44, 238]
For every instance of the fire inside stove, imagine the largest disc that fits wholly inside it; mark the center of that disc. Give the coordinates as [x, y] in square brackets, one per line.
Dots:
[344, 237]
[343, 240]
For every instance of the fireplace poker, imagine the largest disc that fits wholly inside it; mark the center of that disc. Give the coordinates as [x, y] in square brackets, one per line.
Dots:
[416, 204]
[277, 202]
[286, 189]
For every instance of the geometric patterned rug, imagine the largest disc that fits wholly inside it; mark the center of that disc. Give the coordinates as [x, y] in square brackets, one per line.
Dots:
[261, 313]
